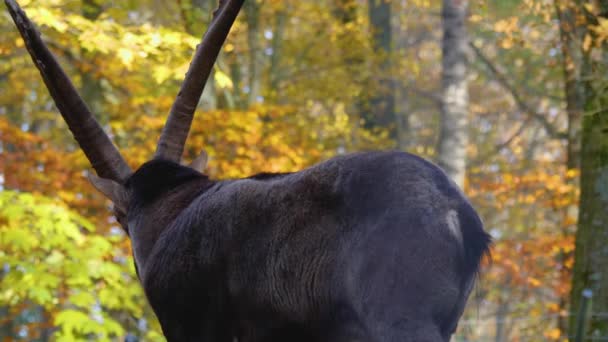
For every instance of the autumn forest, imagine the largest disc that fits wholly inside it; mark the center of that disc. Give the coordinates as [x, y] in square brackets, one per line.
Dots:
[512, 105]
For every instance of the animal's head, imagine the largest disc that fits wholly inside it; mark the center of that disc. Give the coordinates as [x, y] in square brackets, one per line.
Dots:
[115, 179]
[148, 183]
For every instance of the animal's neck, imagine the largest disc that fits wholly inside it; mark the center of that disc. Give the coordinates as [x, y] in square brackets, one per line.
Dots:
[151, 219]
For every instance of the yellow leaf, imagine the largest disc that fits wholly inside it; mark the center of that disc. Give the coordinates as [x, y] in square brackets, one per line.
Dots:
[572, 173]
[507, 43]
[587, 42]
[222, 80]
[534, 282]
[172, 38]
[475, 18]
[553, 334]
[126, 56]
[229, 47]
[506, 25]
[161, 73]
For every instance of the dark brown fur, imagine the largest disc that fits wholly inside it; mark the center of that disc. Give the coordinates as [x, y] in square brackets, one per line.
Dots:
[352, 249]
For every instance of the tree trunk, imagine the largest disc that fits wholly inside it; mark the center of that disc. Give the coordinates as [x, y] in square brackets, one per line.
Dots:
[501, 316]
[591, 257]
[6, 327]
[346, 12]
[381, 112]
[274, 74]
[571, 36]
[590, 271]
[453, 136]
[252, 14]
[402, 104]
[91, 90]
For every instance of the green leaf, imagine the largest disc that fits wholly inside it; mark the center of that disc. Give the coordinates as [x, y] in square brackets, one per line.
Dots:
[83, 299]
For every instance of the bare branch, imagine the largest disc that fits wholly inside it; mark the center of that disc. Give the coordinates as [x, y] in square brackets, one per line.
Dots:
[521, 103]
[498, 147]
[427, 94]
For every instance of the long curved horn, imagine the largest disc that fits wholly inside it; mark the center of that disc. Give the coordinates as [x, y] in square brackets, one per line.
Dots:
[97, 146]
[173, 137]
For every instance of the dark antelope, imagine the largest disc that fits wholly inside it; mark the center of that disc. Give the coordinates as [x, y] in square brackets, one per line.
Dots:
[377, 246]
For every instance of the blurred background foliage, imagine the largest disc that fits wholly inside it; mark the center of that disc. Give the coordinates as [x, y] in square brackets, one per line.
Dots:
[299, 82]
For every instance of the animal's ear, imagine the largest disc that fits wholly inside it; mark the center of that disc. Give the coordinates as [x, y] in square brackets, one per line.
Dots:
[200, 163]
[112, 190]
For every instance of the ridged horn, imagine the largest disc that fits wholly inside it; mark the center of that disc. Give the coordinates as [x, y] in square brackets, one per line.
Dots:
[97, 146]
[173, 137]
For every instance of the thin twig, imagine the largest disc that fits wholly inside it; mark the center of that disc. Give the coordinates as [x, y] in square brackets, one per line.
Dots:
[521, 103]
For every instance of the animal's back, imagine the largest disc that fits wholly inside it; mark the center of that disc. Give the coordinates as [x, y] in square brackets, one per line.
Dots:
[415, 247]
[348, 243]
